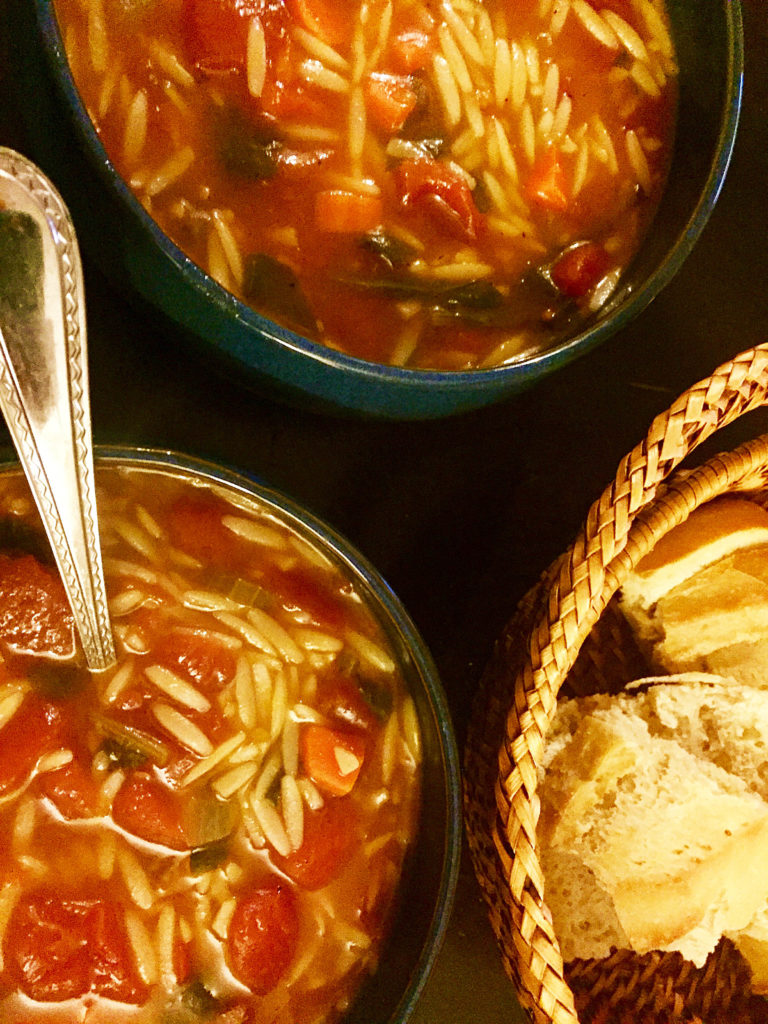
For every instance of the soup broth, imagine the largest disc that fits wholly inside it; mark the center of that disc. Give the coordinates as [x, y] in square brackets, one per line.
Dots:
[447, 185]
[214, 829]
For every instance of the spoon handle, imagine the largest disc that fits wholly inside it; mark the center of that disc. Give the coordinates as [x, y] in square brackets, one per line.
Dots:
[44, 386]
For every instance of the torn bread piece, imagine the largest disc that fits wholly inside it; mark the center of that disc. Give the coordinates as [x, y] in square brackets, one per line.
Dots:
[644, 844]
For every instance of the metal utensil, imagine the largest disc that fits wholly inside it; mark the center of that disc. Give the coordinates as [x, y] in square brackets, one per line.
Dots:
[44, 386]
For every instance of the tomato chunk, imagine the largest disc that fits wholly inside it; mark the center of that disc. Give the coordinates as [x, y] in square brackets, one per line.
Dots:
[34, 612]
[326, 19]
[64, 948]
[390, 99]
[196, 527]
[579, 269]
[263, 934]
[36, 728]
[300, 591]
[339, 697]
[149, 810]
[441, 191]
[332, 758]
[217, 31]
[72, 788]
[331, 834]
[205, 661]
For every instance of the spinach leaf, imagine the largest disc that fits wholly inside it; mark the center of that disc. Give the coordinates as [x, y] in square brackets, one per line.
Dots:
[274, 290]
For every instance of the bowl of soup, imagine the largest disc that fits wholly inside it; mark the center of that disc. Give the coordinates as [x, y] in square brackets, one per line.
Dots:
[397, 209]
[253, 816]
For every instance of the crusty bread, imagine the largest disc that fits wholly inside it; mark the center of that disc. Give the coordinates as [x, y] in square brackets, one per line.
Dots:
[702, 591]
[647, 840]
[711, 532]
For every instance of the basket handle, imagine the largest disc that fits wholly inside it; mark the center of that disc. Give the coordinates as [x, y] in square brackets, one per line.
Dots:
[618, 530]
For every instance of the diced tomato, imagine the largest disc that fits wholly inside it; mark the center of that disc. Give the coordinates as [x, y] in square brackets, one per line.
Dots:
[299, 590]
[195, 526]
[579, 269]
[331, 835]
[202, 659]
[36, 728]
[283, 93]
[412, 49]
[217, 31]
[442, 191]
[340, 698]
[547, 186]
[64, 948]
[332, 758]
[344, 212]
[72, 788]
[326, 19]
[263, 934]
[149, 810]
[35, 615]
[389, 100]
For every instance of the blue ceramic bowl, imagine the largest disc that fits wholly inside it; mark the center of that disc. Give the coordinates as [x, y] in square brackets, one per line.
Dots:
[428, 883]
[116, 230]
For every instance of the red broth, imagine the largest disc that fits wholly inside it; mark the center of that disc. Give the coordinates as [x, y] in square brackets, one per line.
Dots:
[448, 186]
[214, 829]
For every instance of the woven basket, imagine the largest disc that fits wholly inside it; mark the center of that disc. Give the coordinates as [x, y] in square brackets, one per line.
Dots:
[567, 630]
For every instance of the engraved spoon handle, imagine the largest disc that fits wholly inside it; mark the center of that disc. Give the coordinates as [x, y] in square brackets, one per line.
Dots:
[44, 386]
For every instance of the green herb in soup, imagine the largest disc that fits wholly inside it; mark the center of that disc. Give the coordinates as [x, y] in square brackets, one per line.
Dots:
[214, 829]
[341, 167]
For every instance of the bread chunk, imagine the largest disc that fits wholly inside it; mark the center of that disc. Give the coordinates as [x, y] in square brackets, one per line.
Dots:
[651, 827]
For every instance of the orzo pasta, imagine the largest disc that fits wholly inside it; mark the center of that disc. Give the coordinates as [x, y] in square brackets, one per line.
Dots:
[213, 830]
[447, 184]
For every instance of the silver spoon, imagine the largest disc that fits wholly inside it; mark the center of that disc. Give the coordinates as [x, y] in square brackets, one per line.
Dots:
[44, 386]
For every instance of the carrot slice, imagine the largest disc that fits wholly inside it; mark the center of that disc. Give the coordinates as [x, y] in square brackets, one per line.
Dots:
[332, 758]
[546, 185]
[390, 99]
[347, 212]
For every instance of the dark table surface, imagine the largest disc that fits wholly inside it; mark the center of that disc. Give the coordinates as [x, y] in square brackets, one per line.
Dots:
[459, 515]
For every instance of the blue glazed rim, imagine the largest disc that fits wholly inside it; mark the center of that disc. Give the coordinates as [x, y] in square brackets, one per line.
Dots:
[351, 377]
[398, 625]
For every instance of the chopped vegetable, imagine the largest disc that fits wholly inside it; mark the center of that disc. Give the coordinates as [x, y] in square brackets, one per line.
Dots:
[36, 728]
[345, 212]
[245, 149]
[332, 758]
[547, 186]
[216, 32]
[579, 269]
[67, 948]
[147, 809]
[274, 287]
[35, 615]
[326, 19]
[440, 190]
[412, 49]
[72, 788]
[128, 747]
[206, 858]
[263, 935]
[331, 835]
[390, 100]
[392, 251]
[207, 819]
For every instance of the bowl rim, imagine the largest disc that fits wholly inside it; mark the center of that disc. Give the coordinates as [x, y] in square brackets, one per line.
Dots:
[389, 609]
[372, 374]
